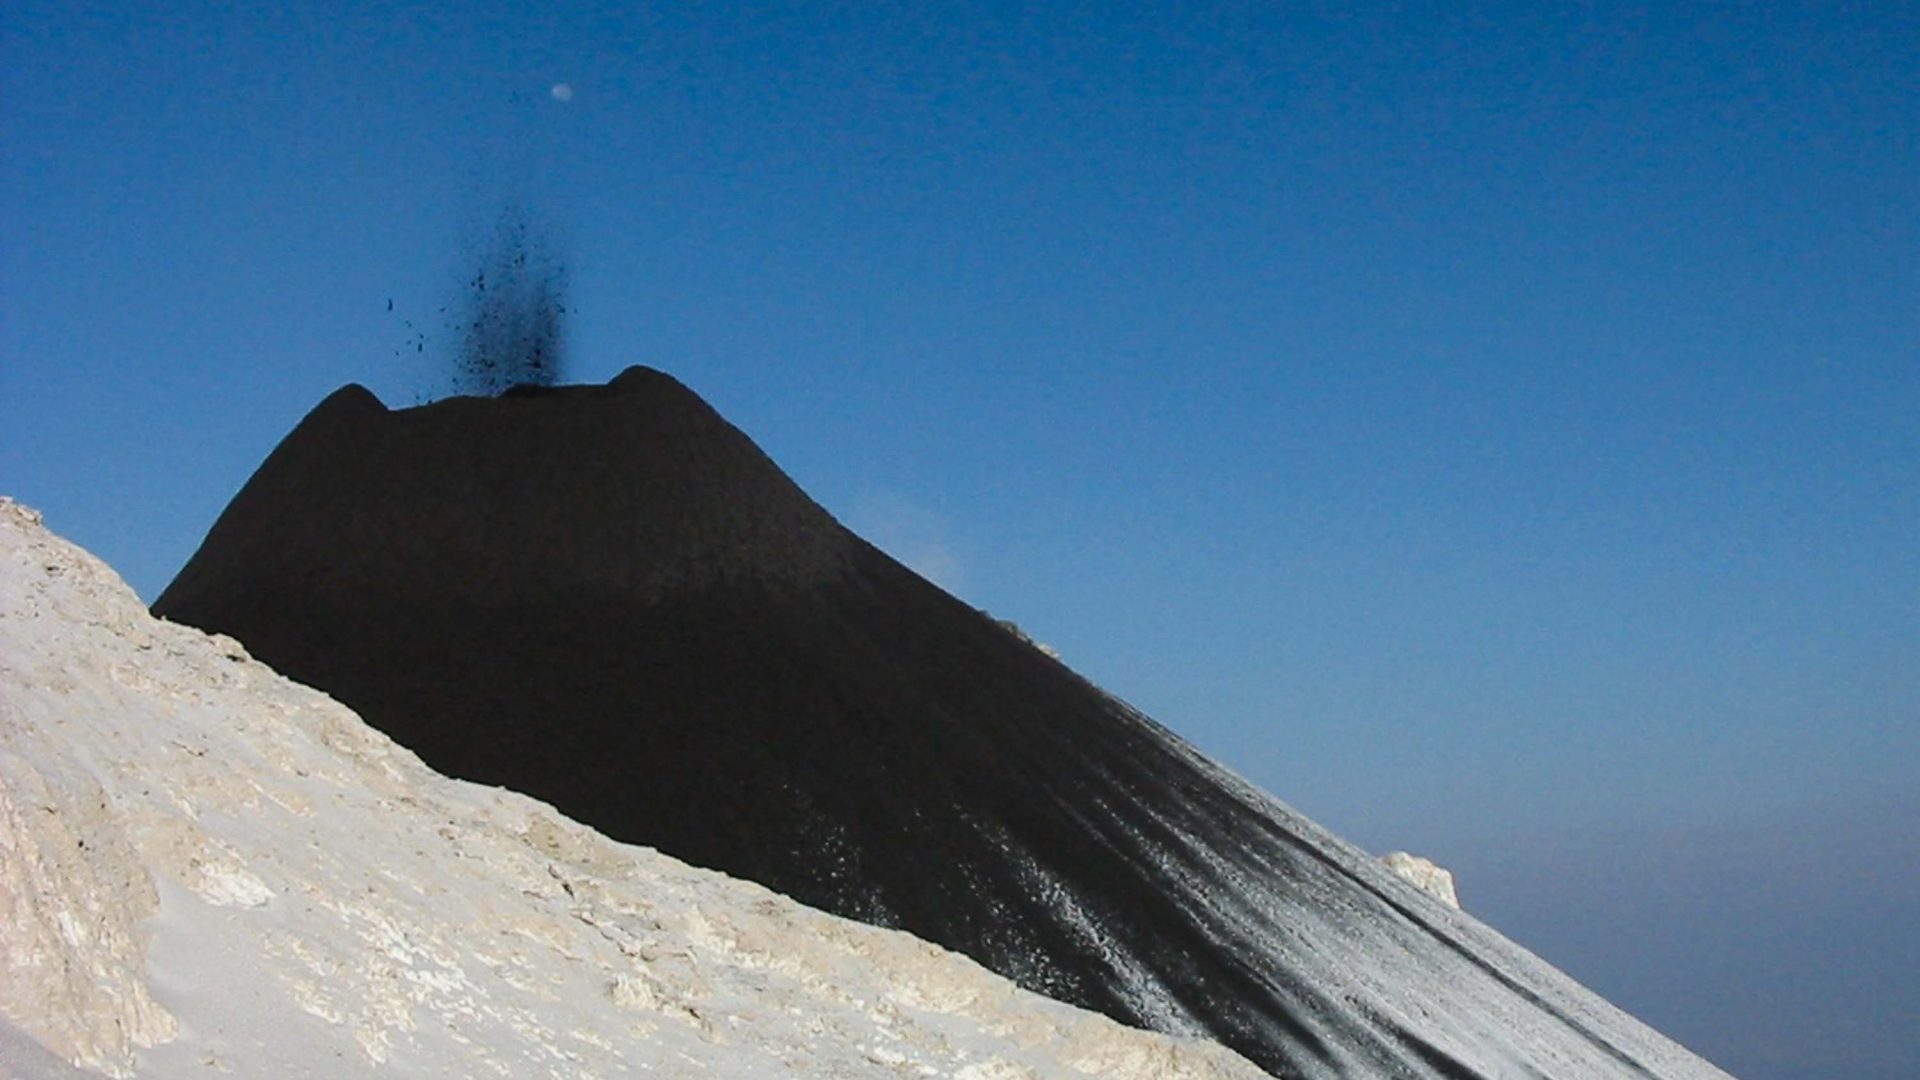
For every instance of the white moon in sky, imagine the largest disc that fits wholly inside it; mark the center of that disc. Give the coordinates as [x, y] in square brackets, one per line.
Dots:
[562, 92]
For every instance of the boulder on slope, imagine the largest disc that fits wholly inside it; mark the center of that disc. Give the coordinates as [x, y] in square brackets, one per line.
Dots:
[1434, 880]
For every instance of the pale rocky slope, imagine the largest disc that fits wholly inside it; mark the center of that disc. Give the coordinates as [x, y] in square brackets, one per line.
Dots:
[207, 869]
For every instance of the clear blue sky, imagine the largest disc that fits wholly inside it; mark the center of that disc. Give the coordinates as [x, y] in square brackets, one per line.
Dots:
[1494, 429]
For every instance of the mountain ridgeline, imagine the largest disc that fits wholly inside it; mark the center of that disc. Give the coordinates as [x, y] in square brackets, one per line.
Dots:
[607, 597]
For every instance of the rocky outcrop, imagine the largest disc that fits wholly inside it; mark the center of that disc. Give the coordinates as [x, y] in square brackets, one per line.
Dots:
[1013, 628]
[207, 869]
[1430, 878]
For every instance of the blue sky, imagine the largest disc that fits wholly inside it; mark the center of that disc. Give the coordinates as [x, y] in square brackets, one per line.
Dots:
[1494, 429]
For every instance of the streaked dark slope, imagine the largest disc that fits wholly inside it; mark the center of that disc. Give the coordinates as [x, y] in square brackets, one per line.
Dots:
[607, 597]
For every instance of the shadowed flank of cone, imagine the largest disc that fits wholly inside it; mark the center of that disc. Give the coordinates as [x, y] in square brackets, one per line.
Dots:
[609, 598]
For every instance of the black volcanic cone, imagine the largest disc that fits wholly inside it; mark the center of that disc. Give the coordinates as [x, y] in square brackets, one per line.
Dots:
[608, 598]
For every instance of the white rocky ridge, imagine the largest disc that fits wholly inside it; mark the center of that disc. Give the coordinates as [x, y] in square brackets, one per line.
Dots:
[207, 869]
[1434, 880]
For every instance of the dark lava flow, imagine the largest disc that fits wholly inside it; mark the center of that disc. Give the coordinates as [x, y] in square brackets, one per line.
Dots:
[610, 599]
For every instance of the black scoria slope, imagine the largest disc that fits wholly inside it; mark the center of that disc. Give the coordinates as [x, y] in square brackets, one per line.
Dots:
[608, 598]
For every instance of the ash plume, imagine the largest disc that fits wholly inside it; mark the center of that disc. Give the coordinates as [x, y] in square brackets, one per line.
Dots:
[511, 313]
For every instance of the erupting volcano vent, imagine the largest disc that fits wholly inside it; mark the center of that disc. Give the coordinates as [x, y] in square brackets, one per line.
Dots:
[512, 313]
[608, 598]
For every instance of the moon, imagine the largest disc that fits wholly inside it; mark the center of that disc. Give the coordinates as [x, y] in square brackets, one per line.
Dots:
[562, 92]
